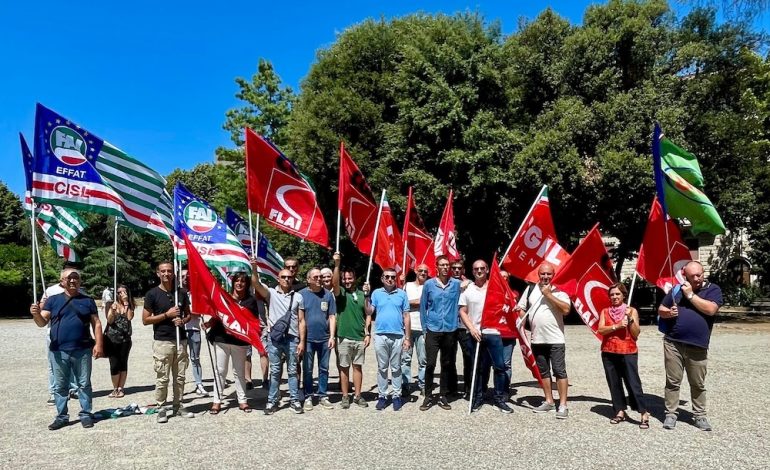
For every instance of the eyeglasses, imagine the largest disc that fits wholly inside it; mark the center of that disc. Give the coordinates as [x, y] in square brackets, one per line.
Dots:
[480, 269]
[315, 277]
[422, 270]
[291, 267]
[388, 277]
[457, 268]
[286, 277]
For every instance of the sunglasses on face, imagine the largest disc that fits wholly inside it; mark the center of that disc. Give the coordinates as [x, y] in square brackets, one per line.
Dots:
[479, 269]
[422, 271]
[286, 277]
[388, 277]
[457, 268]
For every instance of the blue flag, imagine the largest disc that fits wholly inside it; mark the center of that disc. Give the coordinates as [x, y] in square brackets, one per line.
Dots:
[241, 229]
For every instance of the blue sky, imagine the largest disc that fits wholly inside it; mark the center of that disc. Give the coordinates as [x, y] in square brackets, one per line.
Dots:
[155, 78]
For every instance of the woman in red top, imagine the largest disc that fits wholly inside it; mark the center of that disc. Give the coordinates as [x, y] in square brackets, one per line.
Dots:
[619, 324]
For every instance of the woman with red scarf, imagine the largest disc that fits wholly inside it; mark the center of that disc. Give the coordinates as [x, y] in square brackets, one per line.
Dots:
[619, 324]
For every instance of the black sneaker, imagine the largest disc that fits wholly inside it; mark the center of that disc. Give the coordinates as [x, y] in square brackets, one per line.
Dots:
[476, 406]
[271, 408]
[443, 403]
[427, 403]
[87, 421]
[58, 424]
[503, 407]
[296, 406]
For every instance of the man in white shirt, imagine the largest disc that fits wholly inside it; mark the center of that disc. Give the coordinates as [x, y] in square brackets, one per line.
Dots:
[413, 293]
[546, 308]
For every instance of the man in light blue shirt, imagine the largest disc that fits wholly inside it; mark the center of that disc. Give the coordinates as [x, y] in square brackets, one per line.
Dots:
[391, 305]
[438, 312]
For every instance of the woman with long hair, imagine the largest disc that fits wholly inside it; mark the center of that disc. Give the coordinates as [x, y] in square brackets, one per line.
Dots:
[117, 338]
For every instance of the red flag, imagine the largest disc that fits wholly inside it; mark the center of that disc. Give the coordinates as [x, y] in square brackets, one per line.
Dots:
[417, 242]
[389, 249]
[446, 241]
[356, 203]
[586, 276]
[499, 314]
[280, 193]
[535, 242]
[662, 255]
[208, 298]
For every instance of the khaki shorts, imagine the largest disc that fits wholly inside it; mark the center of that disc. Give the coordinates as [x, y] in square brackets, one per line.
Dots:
[350, 351]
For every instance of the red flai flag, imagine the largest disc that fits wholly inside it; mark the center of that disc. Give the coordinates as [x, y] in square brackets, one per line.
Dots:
[357, 204]
[499, 314]
[417, 242]
[663, 254]
[389, 249]
[446, 241]
[586, 276]
[277, 190]
[534, 242]
[208, 298]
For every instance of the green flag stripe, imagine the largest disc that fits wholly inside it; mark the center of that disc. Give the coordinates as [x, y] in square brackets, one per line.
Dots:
[120, 159]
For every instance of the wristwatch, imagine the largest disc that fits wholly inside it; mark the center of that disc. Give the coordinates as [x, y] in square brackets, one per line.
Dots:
[689, 297]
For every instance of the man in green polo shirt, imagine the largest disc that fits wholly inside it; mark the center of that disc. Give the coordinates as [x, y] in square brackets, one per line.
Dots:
[353, 331]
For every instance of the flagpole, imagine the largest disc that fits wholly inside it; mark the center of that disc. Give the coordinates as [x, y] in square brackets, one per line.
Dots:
[473, 380]
[405, 233]
[176, 290]
[34, 248]
[218, 388]
[115, 265]
[251, 232]
[39, 263]
[339, 219]
[374, 238]
[522, 224]
[631, 291]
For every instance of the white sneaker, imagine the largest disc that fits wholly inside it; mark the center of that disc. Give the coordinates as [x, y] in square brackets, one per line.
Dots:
[562, 413]
[308, 404]
[326, 403]
[200, 391]
[184, 413]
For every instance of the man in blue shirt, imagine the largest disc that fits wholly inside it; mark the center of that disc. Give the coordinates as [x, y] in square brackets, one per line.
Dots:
[391, 305]
[70, 314]
[321, 321]
[438, 313]
[687, 316]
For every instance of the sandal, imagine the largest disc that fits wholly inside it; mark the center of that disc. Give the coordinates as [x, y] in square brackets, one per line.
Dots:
[618, 419]
[215, 409]
[120, 393]
[114, 394]
[245, 407]
[645, 423]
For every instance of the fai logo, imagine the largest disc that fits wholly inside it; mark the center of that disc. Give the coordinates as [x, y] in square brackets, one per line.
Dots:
[242, 233]
[199, 217]
[68, 146]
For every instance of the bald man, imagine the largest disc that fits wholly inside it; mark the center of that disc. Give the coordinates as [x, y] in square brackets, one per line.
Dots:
[687, 317]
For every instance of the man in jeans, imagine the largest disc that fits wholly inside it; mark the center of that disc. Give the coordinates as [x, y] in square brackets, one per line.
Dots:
[414, 292]
[283, 300]
[193, 334]
[391, 306]
[687, 316]
[168, 318]
[438, 313]
[321, 320]
[353, 331]
[70, 315]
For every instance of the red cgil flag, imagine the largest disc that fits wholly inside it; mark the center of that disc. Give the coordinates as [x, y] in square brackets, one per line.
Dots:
[663, 254]
[389, 250]
[499, 314]
[208, 298]
[446, 239]
[586, 277]
[417, 242]
[277, 190]
[534, 243]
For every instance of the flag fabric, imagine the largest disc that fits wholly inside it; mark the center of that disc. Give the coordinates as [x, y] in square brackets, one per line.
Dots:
[663, 254]
[388, 252]
[208, 298]
[280, 193]
[679, 185]
[499, 314]
[535, 242]
[417, 242]
[446, 241]
[214, 241]
[74, 168]
[586, 277]
[162, 221]
[356, 203]
[269, 262]
[59, 224]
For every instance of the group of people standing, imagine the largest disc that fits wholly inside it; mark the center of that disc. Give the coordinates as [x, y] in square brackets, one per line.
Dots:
[427, 319]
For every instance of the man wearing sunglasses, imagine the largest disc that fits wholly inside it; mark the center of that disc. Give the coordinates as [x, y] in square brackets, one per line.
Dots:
[282, 300]
[70, 314]
[439, 317]
[417, 339]
[391, 306]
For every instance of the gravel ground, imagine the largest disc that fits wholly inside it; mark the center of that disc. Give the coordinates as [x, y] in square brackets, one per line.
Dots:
[354, 438]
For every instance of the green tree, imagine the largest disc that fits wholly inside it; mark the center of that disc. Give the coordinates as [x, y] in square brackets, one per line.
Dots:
[11, 216]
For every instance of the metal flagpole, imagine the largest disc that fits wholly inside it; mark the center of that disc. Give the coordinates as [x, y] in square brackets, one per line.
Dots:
[176, 290]
[339, 218]
[522, 224]
[39, 264]
[473, 380]
[218, 387]
[251, 233]
[115, 265]
[631, 291]
[34, 248]
[374, 238]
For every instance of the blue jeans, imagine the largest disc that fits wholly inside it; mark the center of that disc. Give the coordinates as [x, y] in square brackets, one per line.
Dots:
[66, 366]
[51, 380]
[194, 345]
[492, 355]
[418, 345]
[388, 349]
[276, 351]
[321, 349]
[508, 345]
